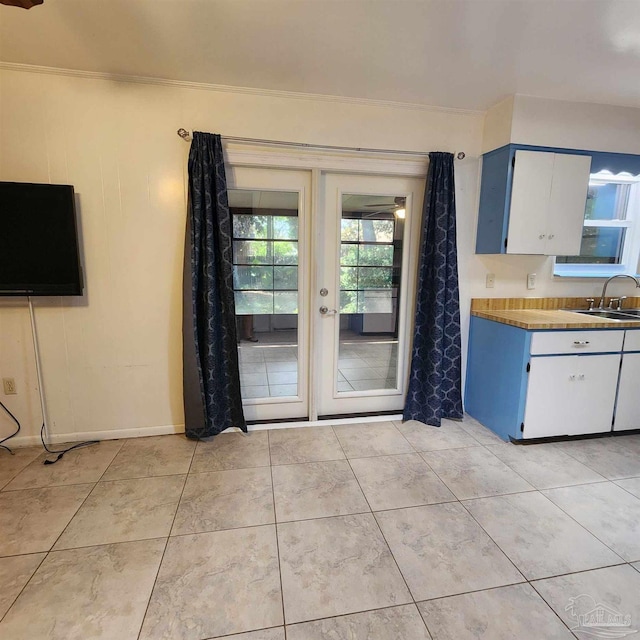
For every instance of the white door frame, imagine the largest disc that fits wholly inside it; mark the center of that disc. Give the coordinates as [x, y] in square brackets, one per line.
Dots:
[318, 162]
[272, 179]
[329, 400]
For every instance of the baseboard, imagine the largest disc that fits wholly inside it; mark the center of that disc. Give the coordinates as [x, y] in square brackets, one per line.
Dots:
[323, 423]
[111, 434]
[163, 430]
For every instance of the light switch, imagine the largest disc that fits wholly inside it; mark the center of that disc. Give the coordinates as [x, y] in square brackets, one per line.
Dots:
[531, 281]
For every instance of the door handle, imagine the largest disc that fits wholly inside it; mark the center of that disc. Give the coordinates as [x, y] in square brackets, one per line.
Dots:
[325, 311]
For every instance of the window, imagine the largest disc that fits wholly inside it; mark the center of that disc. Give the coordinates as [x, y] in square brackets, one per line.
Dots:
[611, 231]
[265, 262]
[367, 264]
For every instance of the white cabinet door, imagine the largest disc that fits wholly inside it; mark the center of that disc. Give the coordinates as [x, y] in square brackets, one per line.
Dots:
[548, 197]
[566, 204]
[570, 395]
[628, 406]
[530, 193]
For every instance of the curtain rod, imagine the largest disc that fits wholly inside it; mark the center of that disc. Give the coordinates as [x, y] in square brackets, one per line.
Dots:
[185, 135]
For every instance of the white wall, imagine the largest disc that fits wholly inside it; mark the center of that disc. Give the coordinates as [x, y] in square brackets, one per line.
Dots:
[112, 360]
[497, 125]
[575, 125]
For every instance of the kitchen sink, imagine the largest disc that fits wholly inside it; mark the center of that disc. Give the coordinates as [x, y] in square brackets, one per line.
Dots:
[626, 315]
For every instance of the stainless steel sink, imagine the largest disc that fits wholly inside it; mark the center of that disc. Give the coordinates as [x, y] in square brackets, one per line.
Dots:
[626, 315]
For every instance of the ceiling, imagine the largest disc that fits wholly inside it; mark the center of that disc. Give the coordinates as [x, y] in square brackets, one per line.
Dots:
[465, 54]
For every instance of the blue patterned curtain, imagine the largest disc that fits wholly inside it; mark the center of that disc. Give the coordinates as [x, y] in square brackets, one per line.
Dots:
[435, 380]
[212, 400]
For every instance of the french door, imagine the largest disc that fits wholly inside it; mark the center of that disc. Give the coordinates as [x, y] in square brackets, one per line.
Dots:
[324, 279]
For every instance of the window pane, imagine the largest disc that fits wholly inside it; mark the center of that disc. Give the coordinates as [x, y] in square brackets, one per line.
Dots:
[246, 226]
[368, 310]
[348, 278]
[349, 230]
[251, 252]
[349, 255]
[253, 277]
[285, 278]
[285, 227]
[348, 302]
[285, 302]
[376, 231]
[600, 245]
[253, 302]
[285, 253]
[374, 277]
[375, 302]
[376, 256]
[607, 201]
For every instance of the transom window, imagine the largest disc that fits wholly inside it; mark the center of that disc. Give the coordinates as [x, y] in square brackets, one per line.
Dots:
[611, 231]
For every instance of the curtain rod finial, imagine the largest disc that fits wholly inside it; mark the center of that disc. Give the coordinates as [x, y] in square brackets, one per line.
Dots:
[184, 134]
[461, 155]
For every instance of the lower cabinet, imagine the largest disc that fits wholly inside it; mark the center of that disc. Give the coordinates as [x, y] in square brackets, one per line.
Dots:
[537, 384]
[628, 406]
[570, 395]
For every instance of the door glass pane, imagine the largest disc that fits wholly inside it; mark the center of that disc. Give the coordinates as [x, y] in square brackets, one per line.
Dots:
[256, 278]
[265, 279]
[251, 251]
[372, 230]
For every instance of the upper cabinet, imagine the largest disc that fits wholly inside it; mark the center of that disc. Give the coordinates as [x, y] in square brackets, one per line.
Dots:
[532, 202]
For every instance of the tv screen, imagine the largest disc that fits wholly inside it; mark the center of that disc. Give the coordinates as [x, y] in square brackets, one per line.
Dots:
[39, 253]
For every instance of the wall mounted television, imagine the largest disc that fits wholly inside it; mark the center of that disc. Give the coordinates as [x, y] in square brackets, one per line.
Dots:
[39, 250]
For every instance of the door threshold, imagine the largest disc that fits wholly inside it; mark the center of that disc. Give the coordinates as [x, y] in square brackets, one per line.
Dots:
[359, 419]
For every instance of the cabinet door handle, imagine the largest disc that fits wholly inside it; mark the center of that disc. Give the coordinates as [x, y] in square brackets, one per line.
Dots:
[552, 236]
[541, 236]
[580, 343]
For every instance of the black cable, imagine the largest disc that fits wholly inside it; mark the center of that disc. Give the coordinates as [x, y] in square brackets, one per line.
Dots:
[63, 451]
[15, 433]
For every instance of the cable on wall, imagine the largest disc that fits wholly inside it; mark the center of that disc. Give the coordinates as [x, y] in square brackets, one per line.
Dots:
[15, 433]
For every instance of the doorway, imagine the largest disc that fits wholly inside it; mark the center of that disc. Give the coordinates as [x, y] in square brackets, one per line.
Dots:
[324, 280]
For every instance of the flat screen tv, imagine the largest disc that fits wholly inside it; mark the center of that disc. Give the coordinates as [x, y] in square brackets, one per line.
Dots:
[39, 252]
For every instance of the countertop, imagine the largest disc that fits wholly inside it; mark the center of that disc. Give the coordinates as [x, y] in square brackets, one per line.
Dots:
[546, 313]
[553, 319]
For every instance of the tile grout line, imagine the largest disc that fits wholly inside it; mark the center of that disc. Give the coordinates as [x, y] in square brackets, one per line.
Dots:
[588, 465]
[5, 488]
[395, 562]
[581, 525]
[275, 526]
[526, 580]
[474, 519]
[46, 555]
[166, 544]
[456, 499]
[50, 550]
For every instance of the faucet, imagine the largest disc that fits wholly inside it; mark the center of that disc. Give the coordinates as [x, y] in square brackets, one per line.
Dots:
[604, 288]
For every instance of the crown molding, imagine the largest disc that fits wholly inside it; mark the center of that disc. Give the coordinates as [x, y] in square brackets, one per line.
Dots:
[204, 86]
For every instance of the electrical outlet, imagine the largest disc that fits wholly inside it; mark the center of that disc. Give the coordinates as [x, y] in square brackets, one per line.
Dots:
[490, 281]
[531, 281]
[9, 385]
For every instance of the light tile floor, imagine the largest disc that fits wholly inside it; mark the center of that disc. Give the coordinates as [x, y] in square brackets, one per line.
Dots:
[270, 369]
[384, 531]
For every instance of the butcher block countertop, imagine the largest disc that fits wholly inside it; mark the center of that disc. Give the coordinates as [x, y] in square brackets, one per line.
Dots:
[545, 313]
